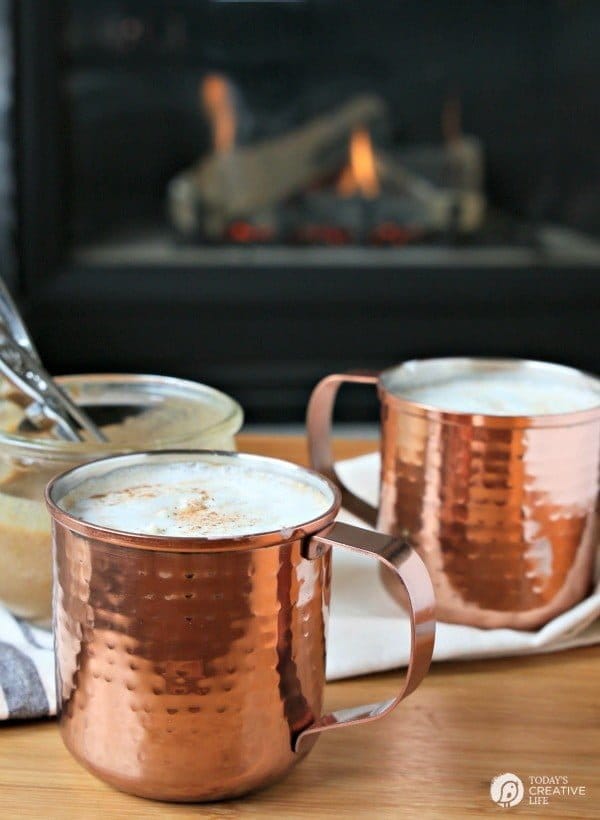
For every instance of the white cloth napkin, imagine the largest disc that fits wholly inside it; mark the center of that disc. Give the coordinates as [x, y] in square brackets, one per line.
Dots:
[369, 632]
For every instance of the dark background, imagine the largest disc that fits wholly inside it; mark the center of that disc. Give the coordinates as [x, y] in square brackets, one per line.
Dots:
[101, 113]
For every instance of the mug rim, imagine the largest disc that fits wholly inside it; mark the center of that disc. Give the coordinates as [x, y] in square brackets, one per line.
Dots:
[562, 419]
[174, 544]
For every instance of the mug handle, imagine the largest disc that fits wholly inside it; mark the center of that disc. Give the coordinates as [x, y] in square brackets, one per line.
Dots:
[318, 425]
[409, 569]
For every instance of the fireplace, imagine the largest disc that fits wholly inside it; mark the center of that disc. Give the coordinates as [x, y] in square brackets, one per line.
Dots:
[255, 193]
[324, 181]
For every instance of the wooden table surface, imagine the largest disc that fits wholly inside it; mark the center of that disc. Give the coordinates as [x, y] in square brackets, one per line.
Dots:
[433, 757]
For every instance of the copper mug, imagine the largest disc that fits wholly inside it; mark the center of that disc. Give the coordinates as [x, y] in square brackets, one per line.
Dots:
[502, 509]
[193, 669]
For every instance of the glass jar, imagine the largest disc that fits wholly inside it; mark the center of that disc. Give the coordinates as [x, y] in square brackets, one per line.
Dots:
[136, 412]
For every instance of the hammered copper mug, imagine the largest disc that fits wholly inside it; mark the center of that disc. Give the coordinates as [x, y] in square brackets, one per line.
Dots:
[502, 509]
[193, 669]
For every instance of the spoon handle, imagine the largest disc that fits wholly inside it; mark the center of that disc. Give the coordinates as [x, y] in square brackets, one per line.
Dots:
[25, 370]
[10, 316]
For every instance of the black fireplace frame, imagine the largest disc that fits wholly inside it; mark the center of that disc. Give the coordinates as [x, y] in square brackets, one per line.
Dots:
[39, 147]
[266, 323]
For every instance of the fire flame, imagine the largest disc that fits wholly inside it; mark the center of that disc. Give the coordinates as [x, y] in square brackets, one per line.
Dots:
[216, 100]
[361, 172]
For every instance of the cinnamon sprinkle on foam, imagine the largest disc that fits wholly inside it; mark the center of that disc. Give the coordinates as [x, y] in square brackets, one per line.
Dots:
[196, 499]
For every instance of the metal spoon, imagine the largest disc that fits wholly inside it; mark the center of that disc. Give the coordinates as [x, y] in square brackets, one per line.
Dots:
[20, 362]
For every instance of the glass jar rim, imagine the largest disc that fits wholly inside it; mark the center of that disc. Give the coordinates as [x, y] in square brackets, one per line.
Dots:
[229, 421]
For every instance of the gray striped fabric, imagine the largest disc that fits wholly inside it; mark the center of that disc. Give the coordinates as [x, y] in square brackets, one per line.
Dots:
[26, 670]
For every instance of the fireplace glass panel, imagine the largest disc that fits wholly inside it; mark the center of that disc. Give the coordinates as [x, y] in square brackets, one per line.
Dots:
[396, 128]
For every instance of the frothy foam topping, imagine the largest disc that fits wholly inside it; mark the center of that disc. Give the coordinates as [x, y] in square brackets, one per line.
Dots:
[504, 394]
[195, 499]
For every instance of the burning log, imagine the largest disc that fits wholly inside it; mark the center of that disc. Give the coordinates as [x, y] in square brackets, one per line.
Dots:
[378, 199]
[235, 183]
[446, 179]
[444, 194]
[460, 209]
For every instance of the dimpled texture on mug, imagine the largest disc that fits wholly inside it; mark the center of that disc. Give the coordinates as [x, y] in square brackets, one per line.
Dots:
[182, 674]
[503, 517]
